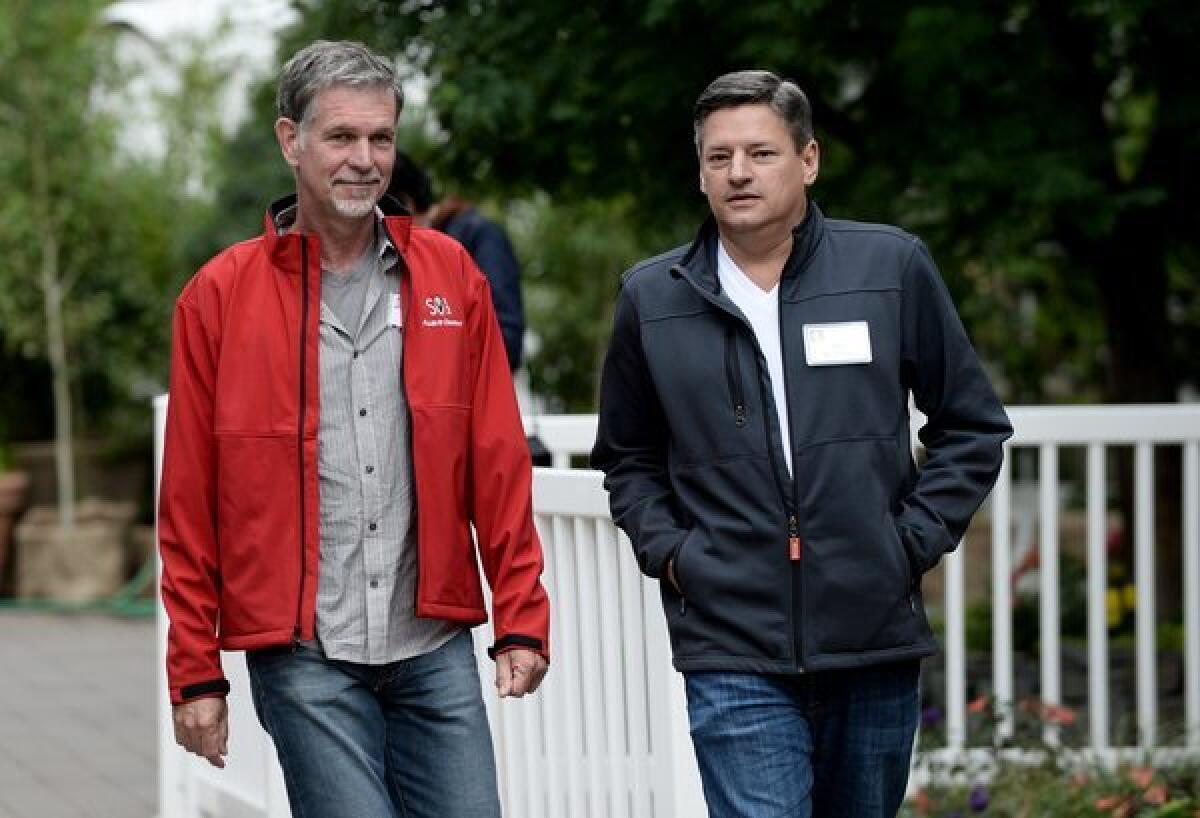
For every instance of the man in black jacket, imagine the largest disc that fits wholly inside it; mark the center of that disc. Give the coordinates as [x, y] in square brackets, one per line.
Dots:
[754, 432]
[485, 240]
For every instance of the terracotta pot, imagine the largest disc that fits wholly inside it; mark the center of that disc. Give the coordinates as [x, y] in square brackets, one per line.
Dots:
[80, 565]
[14, 496]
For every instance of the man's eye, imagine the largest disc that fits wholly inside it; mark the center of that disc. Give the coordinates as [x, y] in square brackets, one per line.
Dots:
[765, 154]
[382, 139]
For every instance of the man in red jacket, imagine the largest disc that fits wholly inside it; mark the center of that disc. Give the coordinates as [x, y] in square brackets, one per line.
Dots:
[341, 415]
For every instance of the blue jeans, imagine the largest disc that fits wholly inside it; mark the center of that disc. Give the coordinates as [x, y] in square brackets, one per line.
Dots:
[834, 743]
[405, 740]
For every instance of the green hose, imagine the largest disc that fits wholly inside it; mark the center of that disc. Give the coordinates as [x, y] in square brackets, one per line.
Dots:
[130, 601]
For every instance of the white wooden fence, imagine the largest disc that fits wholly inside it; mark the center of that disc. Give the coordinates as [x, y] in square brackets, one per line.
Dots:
[606, 737]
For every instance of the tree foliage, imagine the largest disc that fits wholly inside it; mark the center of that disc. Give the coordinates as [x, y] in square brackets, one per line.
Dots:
[1048, 150]
[91, 237]
[574, 253]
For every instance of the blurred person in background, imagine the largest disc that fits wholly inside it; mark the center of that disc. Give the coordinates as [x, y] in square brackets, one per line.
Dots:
[341, 415]
[485, 240]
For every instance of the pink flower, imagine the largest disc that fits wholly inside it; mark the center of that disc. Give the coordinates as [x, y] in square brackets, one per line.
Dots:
[921, 802]
[1156, 795]
[1142, 776]
[1118, 806]
[1058, 714]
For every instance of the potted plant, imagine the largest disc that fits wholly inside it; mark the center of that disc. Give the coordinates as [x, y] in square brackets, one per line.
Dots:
[86, 278]
[14, 497]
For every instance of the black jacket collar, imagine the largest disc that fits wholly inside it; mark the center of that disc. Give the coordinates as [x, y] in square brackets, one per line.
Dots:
[699, 263]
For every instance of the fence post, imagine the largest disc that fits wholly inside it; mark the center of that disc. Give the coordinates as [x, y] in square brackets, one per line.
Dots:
[687, 794]
[171, 784]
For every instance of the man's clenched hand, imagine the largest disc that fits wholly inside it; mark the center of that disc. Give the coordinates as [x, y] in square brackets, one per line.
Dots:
[202, 727]
[519, 671]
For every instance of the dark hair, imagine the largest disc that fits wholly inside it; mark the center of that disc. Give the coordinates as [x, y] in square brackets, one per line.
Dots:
[324, 64]
[740, 88]
[410, 183]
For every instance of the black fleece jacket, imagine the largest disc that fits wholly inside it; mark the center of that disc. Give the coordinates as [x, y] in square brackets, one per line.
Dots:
[783, 575]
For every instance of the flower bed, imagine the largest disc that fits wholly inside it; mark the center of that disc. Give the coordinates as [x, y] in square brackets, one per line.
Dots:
[1024, 775]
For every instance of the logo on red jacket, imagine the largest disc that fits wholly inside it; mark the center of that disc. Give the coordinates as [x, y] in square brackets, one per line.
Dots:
[441, 314]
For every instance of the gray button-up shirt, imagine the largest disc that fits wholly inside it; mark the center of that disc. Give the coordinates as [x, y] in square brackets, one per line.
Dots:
[366, 594]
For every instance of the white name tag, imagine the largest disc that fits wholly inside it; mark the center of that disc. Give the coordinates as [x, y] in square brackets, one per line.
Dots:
[846, 342]
[395, 314]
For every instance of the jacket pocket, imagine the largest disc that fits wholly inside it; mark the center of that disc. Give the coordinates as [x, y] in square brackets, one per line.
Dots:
[674, 569]
[732, 566]
[733, 374]
[258, 532]
[913, 591]
[448, 572]
[909, 552]
[859, 580]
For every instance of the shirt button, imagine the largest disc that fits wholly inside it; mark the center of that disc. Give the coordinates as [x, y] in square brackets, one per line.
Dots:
[362, 413]
[356, 353]
[372, 526]
[374, 583]
[370, 469]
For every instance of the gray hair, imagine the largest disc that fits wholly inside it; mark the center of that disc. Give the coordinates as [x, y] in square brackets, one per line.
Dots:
[740, 88]
[324, 64]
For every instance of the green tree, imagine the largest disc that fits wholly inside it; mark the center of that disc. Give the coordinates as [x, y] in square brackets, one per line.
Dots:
[574, 253]
[572, 248]
[52, 60]
[1047, 150]
[90, 237]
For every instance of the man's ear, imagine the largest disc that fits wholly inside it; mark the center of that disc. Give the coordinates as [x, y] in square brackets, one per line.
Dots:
[287, 133]
[702, 188]
[811, 156]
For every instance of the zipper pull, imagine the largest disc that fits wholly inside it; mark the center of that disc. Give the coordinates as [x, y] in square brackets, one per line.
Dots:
[739, 415]
[793, 539]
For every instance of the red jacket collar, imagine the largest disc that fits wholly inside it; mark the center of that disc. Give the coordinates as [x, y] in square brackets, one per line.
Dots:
[286, 250]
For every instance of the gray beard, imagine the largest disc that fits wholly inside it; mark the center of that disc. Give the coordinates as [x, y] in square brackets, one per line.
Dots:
[354, 208]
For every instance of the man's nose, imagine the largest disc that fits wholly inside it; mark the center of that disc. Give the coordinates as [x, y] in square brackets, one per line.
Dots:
[739, 167]
[360, 154]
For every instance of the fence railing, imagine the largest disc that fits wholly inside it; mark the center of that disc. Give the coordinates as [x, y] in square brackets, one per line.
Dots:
[606, 737]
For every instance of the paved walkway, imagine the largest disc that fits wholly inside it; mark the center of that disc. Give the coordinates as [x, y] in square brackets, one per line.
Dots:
[77, 732]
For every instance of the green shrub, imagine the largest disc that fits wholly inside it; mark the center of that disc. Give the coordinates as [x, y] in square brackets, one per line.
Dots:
[1044, 779]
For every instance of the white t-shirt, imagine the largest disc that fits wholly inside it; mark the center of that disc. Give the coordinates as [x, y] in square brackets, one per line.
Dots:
[761, 308]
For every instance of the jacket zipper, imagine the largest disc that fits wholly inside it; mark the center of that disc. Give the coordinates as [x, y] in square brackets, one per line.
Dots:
[764, 397]
[795, 544]
[734, 375]
[793, 538]
[788, 503]
[405, 317]
[299, 630]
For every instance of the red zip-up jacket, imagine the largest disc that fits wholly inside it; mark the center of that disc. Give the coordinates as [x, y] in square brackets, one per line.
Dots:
[239, 499]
